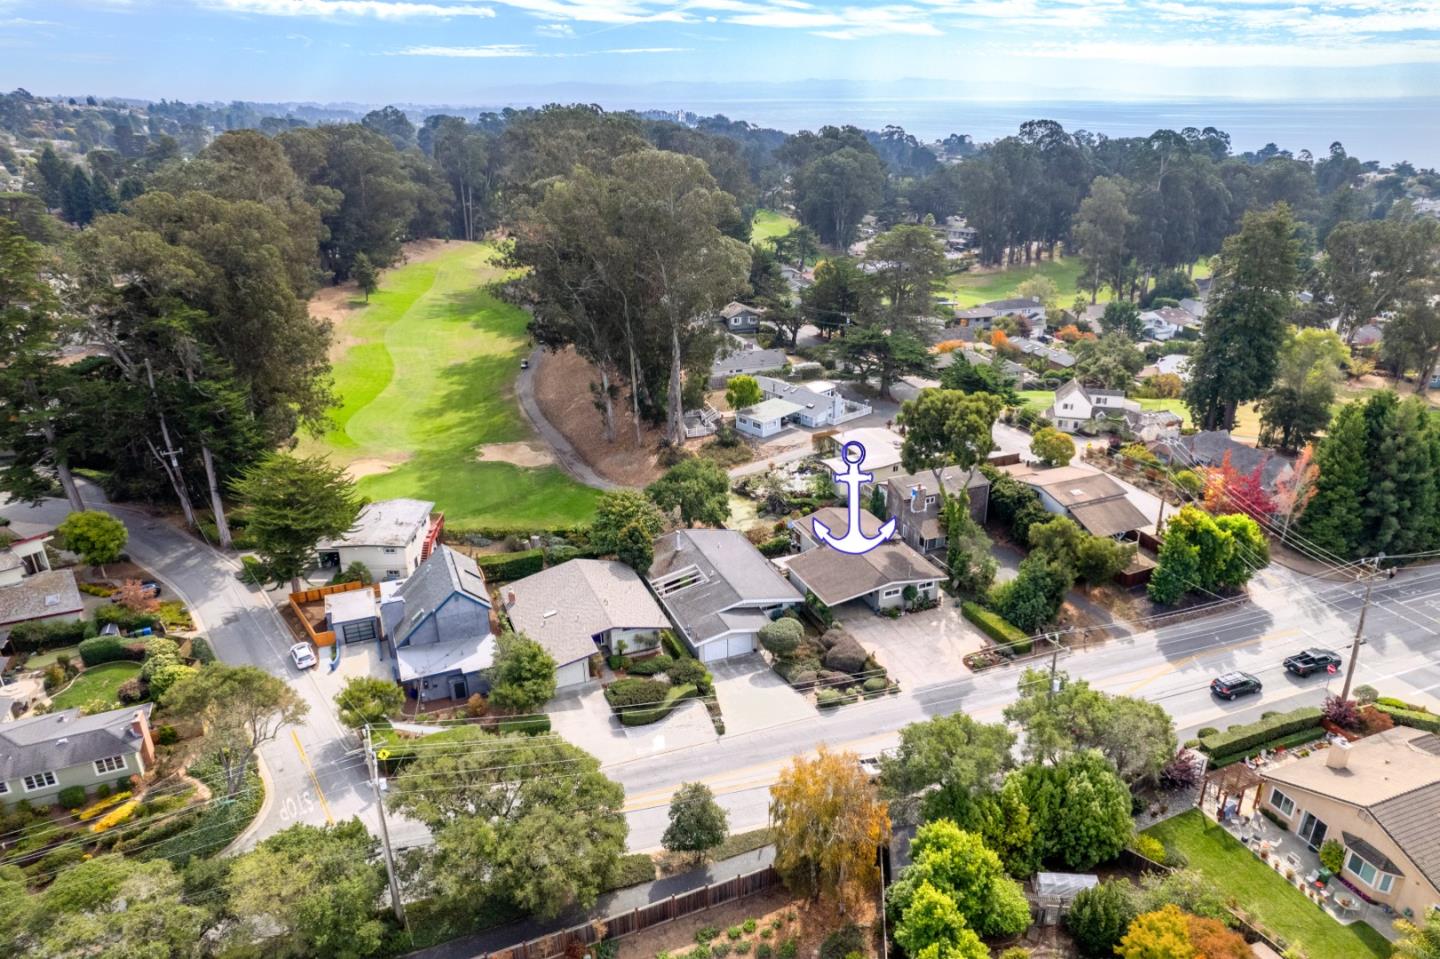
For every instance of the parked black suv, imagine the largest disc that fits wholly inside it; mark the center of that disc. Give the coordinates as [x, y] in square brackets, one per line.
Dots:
[1230, 685]
[1312, 660]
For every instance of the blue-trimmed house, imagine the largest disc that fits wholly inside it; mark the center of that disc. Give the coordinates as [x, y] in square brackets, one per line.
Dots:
[441, 630]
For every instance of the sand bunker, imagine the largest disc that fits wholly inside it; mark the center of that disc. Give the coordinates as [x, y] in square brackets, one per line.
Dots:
[371, 467]
[528, 454]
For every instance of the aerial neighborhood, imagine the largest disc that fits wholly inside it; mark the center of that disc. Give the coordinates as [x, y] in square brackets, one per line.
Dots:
[637, 534]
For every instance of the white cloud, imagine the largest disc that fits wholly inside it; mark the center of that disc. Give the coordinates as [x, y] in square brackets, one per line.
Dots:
[555, 30]
[1239, 55]
[378, 9]
[504, 51]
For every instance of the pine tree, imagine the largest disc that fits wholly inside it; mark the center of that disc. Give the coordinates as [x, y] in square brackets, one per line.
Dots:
[367, 278]
[1403, 481]
[1333, 522]
[76, 204]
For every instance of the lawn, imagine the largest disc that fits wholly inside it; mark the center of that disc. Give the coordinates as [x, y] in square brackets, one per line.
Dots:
[426, 378]
[49, 656]
[1038, 400]
[768, 224]
[973, 287]
[1264, 894]
[102, 682]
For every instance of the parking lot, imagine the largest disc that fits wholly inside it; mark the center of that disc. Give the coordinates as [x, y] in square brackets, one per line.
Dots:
[918, 649]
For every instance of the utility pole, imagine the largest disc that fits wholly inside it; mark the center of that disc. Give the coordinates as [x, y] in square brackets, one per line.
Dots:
[1160, 517]
[1054, 662]
[396, 901]
[1371, 575]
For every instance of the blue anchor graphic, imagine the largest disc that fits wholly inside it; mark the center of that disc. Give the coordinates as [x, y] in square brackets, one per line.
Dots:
[854, 541]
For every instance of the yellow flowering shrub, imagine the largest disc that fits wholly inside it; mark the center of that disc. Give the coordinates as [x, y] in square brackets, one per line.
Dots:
[100, 805]
[115, 816]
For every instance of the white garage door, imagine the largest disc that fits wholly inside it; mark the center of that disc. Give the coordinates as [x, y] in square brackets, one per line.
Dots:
[720, 649]
[572, 674]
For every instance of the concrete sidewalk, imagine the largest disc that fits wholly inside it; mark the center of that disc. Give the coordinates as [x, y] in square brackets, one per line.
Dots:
[612, 903]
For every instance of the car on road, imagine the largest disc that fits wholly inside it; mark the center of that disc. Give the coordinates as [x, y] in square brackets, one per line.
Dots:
[149, 585]
[303, 655]
[1230, 685]
[524, 364]
[1311, 661]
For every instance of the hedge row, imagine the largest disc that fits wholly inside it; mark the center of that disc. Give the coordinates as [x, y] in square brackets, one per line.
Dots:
[1253, 735]
[645, 715]
[108, 649]
[1013, 640]
[1411, 717]
[775, 546]
[38, 635]
[1286, 742]
[502, 567]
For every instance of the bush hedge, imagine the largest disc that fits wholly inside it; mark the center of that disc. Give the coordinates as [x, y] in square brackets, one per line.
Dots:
[644, 715]
[631, 870]
[127, 620]
[71, 797]
[503, 567]
[200, 651]
[1411, 717]
[651, 666]
[1011, 638]
[106, 649]
[38, 635]
[1253, 735]
[775, 546]
[635, 691]
[528, 725]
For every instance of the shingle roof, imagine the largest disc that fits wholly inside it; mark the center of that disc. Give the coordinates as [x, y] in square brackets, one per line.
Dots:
[1413, 822]
[564, 607]
[704, 575]
[771, 409]
[838, 577]
[837, 519]
[748, 361]
[1109, 517]
[735, 309]
[45, 594]
[62, 739]
[446, 572]
[1208, 448]
[1014, 303]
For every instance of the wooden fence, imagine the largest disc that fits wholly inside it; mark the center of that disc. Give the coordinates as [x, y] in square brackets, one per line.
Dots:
[322, 637]
[644, 917]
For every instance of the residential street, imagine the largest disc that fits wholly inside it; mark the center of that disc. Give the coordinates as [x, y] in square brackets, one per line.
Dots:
[315, 771]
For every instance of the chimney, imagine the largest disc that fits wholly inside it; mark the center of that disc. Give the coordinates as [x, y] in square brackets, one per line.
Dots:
[509, 598]
[917, 497]
[140, 726]
[1338, 755]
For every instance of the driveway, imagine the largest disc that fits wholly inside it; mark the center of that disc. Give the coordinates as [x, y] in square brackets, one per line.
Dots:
[918, 649]
[752, 696]
[584, 719]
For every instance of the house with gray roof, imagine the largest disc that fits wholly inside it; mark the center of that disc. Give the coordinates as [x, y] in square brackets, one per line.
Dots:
[583, 607]
[740, 318]
[717, 589]
[29, 588]
[912, 501]
[1208, 449]
[820, 402]
[41, 755]
[1378, 797]
[438, 628]
[1055, 357]
[742, 358]
[878, 577]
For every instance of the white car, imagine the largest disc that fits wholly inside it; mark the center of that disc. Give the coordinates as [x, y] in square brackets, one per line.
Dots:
[303, 655]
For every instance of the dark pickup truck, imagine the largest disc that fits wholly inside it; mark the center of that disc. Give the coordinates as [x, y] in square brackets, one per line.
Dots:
[1311, 661]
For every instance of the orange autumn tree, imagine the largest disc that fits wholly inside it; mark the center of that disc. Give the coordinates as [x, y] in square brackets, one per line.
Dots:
[1227, 490]
[136, 597]
[1070, 333]
[828, 819]
[1295, 492]
[949, 346]
[1000, 341]
[1171, 933]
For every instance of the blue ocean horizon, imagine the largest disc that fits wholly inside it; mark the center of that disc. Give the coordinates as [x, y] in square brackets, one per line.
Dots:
[1387, 130]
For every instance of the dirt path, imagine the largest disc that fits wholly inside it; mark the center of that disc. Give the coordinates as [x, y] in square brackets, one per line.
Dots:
[566, 456]
[558, 386]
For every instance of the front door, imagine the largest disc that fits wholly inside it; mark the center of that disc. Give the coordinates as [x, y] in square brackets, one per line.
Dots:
[1312, 830]
[458, 689]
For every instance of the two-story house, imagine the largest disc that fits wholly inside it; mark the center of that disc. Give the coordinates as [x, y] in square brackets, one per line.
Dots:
[1078, 407]
[1380, 798]
[391, 538]
[41, 755]
[912, 501]
[29, 588]
[439, 628]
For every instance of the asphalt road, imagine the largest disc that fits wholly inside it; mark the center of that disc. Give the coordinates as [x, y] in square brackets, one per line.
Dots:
[315, 773]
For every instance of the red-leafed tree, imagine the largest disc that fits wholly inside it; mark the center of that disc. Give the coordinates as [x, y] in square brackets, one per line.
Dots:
[1227, 490]
[1295, 492]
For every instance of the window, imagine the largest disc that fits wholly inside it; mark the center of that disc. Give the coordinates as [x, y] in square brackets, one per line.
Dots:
[4, 788]
[110, 764]
[929, 501]
[1370, 875]
[1282, 802]
[39, 781]
[390, 551]
[890, 594]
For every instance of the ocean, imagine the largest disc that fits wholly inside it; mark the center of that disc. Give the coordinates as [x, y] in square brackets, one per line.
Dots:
[1383, 130]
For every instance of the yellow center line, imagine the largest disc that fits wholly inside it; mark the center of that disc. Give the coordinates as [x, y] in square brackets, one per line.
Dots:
[1167, 668]
[320, 793]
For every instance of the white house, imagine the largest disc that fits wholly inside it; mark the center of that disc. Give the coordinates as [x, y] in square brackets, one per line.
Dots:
[819, 402]
[391, 538]
[1177, 364]
[1077, 407]
[766, 418]
[30, 589]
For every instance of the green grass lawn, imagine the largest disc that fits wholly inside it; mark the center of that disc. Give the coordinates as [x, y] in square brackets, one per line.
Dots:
[101, 682]
[1263, 893]
[972, 288]
[49, 656]
[768, 224]
[428, 377]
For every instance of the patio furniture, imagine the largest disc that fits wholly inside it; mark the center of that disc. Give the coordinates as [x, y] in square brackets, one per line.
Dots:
[1292, 860]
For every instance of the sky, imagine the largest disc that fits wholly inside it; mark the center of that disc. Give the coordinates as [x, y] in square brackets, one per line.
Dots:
[492, 52]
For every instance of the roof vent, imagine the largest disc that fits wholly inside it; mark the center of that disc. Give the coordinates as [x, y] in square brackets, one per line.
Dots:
[548, 613]
[62, 740]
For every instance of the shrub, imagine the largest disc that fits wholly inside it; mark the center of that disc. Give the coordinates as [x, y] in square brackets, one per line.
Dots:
[764, 950]
[127, 620]
[827, 698]
[689, 671]
[1190, 482]
[842, 942]
[201, 652]
[782, 637]
[166, 735]
[742, 948]
[876, 684]
[103, 791]
[71, 797]
[100, 805]
[502, 567]
[1099, 917]
[1396, 703]
[632, 869]
[775, 546]
[644, 715]
[749, 925]
[1207, 731]
[133, 690]
[54, 677]
[115, 816]
[1015, 952]
[37, 635]
[788, 949]
[1181, 772]
[1251, 735]
[652, 666]
[1411, 717]
[1011, 639]
[719, 950]
[704, 934]
[1332, 855]
[528, 725]
[1150, 847]
[734, 932]
[635, 691]
[105, 649]
[1342, 712]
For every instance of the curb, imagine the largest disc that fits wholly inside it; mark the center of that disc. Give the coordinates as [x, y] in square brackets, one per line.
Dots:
[260, 815]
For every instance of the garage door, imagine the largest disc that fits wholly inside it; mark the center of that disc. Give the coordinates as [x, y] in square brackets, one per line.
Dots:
[572, 674]
[728, 647]
[360, 632]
